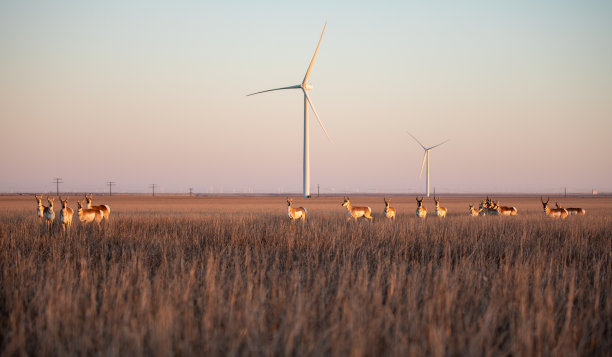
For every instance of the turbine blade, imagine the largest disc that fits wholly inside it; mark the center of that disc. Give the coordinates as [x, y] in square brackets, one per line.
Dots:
[438, 144]
[270, 90]
[417, 140]
[317, 115]
[423, 164]
[313, 57]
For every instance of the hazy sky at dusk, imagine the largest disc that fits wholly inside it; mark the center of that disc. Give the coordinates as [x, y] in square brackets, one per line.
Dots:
[143, 92]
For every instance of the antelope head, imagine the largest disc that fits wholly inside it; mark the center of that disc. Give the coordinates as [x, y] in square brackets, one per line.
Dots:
[386, 201]
[50, 201]
[39, 199]
[346, 202]
[64, 203]
[289, 202]
[419, 202]
[544, 204]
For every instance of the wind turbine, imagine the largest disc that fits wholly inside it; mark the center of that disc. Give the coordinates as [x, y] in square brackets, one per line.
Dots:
[426, 158]
[305, 87]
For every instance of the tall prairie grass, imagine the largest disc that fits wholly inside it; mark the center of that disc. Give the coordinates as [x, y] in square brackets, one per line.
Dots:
[148, 283]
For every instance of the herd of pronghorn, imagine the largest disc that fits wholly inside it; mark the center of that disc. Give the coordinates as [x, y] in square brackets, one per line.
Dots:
[88, 214]
[487, 207]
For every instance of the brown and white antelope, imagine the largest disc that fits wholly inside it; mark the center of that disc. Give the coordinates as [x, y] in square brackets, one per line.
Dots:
[65, 215]
[573, 210]
[356, 212]
[487, 208]
[104, 208]
[40, 208]
[440, 211]
[389, 211]
[421, 211]
[555, 212]
[87, 215]
[504, 210]
[474, 212]
[295, 213]
[48, 213]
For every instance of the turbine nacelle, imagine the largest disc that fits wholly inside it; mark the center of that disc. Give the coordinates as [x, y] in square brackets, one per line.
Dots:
[307, 86]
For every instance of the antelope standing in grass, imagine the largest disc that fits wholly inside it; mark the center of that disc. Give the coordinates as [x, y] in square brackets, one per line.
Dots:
[356, 212]
[573, 210]
[40, 208]
[66, 215]
[555, 212]
[48, 213]
[389, 211]
[440, 211]
[87, 215]
[421, 211]
[295, 213]
[104, 208]
[474, 212]
[487, 208]
[504, 210]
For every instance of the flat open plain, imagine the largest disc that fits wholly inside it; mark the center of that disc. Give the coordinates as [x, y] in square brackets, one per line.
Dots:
[230, 275]
[276, 205]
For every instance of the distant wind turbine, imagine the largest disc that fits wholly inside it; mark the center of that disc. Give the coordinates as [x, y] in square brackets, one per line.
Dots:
[305, 87]
[426, 158]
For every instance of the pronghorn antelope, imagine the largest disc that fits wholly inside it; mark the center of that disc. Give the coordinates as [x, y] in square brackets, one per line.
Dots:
[421, 211]
[487, 207]
[40, 208]
[555, 212]
[48, 213]
[66, 215]
[503, 210]
[295, 213]
[87, 215]
[389, 211]
[474, 212]
[356, 212]
[104, 208]
[573, 210]
[440, 211]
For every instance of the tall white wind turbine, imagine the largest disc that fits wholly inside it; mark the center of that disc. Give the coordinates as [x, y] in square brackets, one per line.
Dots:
[426, 158]
[305, 87]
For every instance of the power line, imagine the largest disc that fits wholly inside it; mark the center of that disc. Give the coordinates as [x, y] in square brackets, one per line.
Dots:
[110, 187]
[57, 181]
[153, 187]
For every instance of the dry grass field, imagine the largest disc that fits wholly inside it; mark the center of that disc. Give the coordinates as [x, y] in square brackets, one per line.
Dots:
[232, 276]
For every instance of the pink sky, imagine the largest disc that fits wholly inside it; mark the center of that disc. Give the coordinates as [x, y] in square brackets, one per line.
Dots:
[150, 92]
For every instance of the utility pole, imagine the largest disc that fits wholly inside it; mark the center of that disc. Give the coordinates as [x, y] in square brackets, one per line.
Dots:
[110, 187]
[57, 181]
[153, 187]
[565, 189]
[318, 191]
[190, 191]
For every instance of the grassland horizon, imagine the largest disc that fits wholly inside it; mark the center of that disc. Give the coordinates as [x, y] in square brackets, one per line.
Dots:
[228, 275]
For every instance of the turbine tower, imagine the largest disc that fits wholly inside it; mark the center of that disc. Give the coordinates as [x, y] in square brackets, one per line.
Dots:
[305, 87]
[426, 158]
